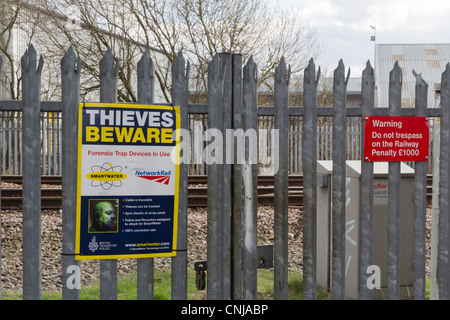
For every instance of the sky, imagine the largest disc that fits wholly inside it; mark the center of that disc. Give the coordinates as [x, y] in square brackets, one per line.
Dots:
[343, 27]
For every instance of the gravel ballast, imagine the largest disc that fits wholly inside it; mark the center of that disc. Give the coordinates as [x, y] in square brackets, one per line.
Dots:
[51, 231]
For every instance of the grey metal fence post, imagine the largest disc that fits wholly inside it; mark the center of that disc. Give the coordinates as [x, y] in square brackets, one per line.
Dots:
[31, 173]
[180, 82]
[434, 250]
[338, 181]
[443, 185]
[215, 158]
[227, 175]
[420, 200]
[281, 182]
[145, 266]
[236, 184]
[309, 159]
[393, 254]
[70, 80]
[366, 196]
[108, 93]
[249, 178]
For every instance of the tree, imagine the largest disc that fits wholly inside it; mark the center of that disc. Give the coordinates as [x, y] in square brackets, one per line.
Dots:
[91, 28]
[14, 26]
[202, 28]
[198, 28]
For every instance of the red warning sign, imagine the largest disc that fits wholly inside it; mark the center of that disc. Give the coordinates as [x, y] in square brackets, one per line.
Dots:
[396, 138]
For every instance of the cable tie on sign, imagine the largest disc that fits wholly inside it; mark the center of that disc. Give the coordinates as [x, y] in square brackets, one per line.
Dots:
[70, 254]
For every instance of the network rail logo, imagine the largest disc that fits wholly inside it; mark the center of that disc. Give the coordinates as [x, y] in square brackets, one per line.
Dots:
[160, 176]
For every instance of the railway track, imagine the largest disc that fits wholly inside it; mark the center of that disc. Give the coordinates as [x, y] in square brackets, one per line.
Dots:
[11, 198]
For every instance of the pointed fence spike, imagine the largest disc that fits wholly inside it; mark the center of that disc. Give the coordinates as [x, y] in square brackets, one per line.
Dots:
[251, 69]
[348, 76]
[107, 57]
[318, 75]
[281, 74]
[41, 64]
[367, 74]
[214, 67]
[32, 50]
[79, 65]
[70, 53]
[117, 68]
[395, 75]
[188, 70]
[145, 62]
[180, 64]
[288, 79]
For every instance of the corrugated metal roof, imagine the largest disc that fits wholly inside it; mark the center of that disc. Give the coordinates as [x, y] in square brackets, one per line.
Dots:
[354, 85]
[426, 59]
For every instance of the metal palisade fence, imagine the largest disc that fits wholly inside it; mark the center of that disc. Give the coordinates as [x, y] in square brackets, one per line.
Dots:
[232, 207]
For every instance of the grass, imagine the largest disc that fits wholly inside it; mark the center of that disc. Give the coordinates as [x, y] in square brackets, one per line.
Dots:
[126, 288]
[127, 284]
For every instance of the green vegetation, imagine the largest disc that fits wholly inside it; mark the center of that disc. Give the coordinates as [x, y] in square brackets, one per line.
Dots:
[127, 284]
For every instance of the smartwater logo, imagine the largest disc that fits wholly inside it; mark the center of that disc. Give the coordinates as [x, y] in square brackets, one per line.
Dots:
[106, 175]
[160, 176]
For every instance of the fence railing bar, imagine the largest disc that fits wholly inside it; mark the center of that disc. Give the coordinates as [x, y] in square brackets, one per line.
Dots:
[393, 254]
[282, 79]
[11, 105]
[55, 106]
[444, 159]
[17, 105]
[49, 143]
[145, 266]
[338, 182]
[366, 196]
[309, 159]
[9, 126]
[17, 160]
[180, 83]
[420, 200]
[44, 135]
[70, 86]
[55, 138]
[4, 132]
[31, 203]
[58, 146]
[298, 147]
[108, 93]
